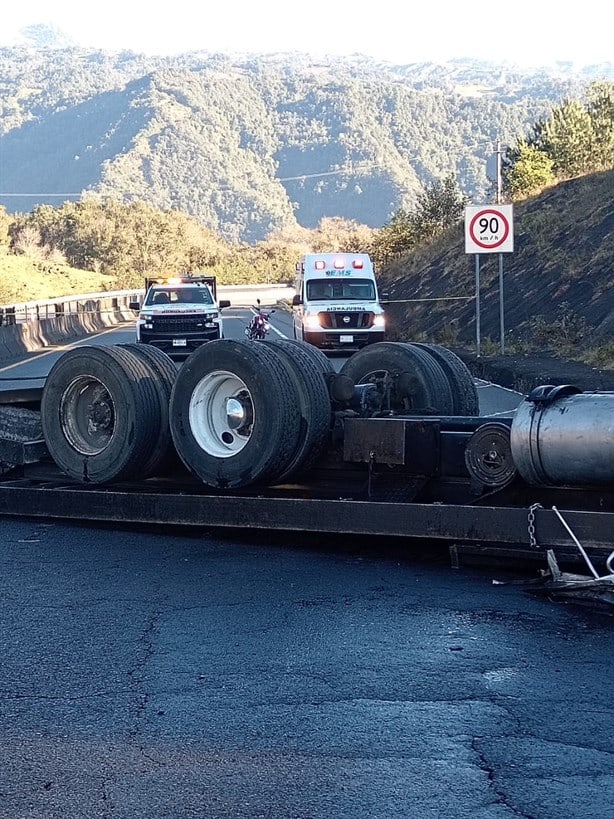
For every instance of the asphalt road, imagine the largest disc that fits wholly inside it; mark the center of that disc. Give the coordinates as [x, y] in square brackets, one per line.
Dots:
[199, 675]
[164, 674]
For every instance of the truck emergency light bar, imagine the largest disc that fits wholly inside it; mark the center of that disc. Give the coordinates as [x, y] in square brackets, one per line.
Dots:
[208, 280]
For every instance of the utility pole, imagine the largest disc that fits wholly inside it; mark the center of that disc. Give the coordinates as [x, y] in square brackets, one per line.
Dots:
[501, 300]
[498, 152]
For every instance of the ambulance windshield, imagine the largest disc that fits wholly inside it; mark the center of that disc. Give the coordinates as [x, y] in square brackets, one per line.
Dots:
[338, 290]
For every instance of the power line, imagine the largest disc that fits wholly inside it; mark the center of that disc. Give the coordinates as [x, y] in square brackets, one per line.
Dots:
[347, 170]
[351, 169]
[41, 194]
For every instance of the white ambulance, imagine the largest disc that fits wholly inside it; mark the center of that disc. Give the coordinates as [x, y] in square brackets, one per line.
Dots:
[336, 303]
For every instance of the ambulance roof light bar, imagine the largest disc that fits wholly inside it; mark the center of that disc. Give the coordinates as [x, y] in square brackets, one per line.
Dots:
[339, 263]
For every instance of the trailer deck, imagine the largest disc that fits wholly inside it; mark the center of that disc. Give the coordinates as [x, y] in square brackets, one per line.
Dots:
[404, 478]
[515, 523]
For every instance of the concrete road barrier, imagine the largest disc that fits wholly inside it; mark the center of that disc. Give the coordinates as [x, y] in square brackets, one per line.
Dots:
[28, 336]
[242, 295]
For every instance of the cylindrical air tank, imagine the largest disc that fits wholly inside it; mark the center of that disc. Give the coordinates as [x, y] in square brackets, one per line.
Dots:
[563, 436]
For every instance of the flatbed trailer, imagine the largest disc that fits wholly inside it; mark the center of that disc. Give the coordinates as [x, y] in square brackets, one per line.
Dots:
[112, 417]
[514, 523]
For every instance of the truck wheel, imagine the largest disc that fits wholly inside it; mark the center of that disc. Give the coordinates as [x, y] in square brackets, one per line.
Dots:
[234, 414]
[315, 354]
[464, 392]
[418, 384]
[314, 404]
[163, 373]
[99, 414]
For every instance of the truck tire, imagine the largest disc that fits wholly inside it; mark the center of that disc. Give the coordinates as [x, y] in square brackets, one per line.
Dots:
[419, 384]
[100, 414]
[234, 414]
[162, 372]
[315, 353]
[314, 404]
[464, 392]
[340, 388]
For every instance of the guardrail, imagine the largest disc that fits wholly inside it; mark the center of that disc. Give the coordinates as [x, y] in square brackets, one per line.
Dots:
[64, 306]
[31, 326]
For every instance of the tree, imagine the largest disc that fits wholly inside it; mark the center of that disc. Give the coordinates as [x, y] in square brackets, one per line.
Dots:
[439, 207]
[527, 170]
[335, 233]
[5, 222]
[396, 238]
[25, 239]
[567, 138]
[577, 139]
[600, 107]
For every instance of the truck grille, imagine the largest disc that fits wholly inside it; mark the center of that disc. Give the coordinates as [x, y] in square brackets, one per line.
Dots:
[178, 325]
[346, 320]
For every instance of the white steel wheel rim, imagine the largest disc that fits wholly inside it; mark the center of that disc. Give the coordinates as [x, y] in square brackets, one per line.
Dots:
[221, 414]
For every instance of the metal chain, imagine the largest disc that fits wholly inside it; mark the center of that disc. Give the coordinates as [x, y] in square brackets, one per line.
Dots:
[531, 520]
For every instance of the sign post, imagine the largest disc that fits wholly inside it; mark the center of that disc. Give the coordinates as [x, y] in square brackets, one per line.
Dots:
[489, 229]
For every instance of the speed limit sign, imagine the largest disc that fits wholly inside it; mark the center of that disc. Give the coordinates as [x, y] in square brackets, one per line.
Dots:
[489, 229]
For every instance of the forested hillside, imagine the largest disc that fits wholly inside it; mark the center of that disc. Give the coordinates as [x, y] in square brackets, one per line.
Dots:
[252, 146]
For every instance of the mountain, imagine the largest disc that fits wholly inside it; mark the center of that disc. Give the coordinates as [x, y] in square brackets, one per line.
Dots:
[249, 145]
[41, 35]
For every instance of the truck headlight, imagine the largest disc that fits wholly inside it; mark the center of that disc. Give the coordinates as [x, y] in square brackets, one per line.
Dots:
[379, 321]
[211, 319]
[312, 322]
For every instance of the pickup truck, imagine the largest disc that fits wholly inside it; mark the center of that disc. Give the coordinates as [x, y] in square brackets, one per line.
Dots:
[179, 313]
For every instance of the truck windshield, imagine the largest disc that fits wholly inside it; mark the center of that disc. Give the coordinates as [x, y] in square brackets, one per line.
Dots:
[179, 295]
[340, 290]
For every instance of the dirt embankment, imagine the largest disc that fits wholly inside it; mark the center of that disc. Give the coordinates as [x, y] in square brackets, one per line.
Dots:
[558, 287]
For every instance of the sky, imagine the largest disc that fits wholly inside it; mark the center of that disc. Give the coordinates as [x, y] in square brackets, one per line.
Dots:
[525, 32]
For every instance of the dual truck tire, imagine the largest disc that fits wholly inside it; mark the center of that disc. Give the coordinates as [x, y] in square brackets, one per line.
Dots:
[237, 413]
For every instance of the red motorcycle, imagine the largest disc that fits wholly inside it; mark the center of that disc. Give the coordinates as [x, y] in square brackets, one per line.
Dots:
[259, 326]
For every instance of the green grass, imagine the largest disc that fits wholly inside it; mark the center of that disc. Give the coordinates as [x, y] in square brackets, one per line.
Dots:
[23, 278]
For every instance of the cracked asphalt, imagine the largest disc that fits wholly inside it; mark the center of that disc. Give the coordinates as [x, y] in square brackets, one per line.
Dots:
[193, 675]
